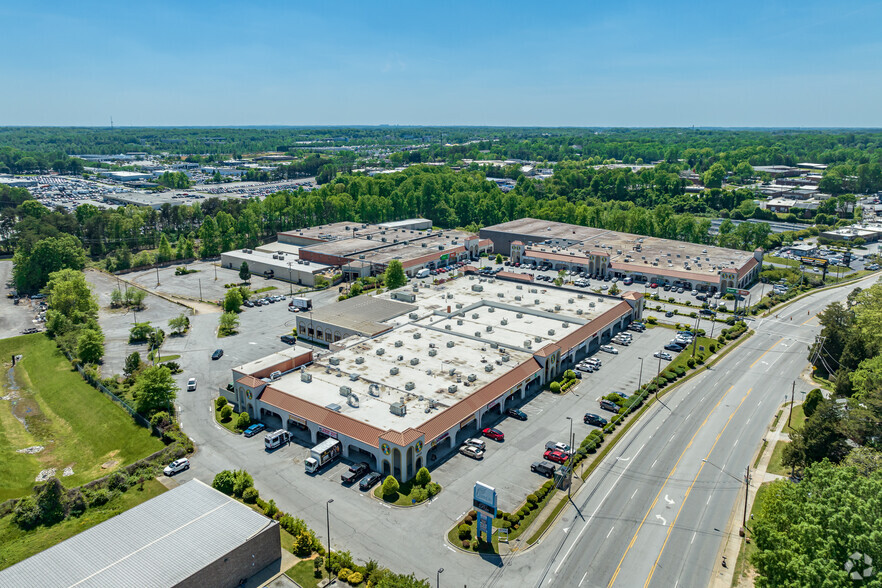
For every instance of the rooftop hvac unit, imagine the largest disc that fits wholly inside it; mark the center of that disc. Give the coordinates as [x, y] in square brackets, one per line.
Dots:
[474, 315]
[535, 301]
[503, 322]
[452, 388]
[414, 360]
[345, 390]
[505, 357]
[409, 386]
[590, 305]
[477, 288]
[534, 291]
[383, 239]
[458, 305]
[537, 339]
[472, 377]
[557, 308]
[399, 343]
[398, 408]
[579, 311]
[381, 351]
[519, 287]
[581, 296]
[500, 295]
[413, 316]
[440, 247]
[489, 328]
[488, 367]
[433, 352]
[517, 298]
[519, 315]
[334, 361]
[570, 300]
[417, 335]
[459, 321]
[528, 344]
[477, 333]
[353, 376]
[551, 331]
[450, 343]
[359, 360]
[374, 390]
[393, 371]
[305, 377]
[448, 327]
[424, 245]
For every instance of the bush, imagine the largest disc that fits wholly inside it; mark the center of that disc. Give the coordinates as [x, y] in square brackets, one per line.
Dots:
[423, 477]
[433, 489]
[225, 482]
[302, 544]
[690, 362]
[465, 531]
[343, 574]
[220, 402]
[76, 502]
[468, 520]
[466, 544]
[812, 400]
[652, 320]
[712, 347]
[680, 370]
[226, 413]
[419, 494]
[318, 565]
[243, 421]
[555, 387]
[569, 375]
[250, 495]
[355, 578]
[117, 481]
[532, 499]
[26, 514]
[99, 497]
[390, 486]
[271, 509]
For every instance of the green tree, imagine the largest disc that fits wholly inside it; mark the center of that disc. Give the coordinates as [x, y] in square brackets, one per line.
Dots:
[165, 252]
[394, 276]
[133, 364]
[243, 421]
[224, 481]
[713, 177]
[180, 324]
[155, 390]
[244, 272]
[229, 323]
[819, 438]
[210, 238]
[135, 297]
[140, 332]
[499, 259]
[390, 486]
[33, 264]
[226, 412]
[90, 346]
[72, 304]
[233, 300]
[812, 400]
[423, 477]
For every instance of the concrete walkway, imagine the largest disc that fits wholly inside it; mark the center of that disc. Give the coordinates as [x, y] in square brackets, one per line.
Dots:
[723, 576]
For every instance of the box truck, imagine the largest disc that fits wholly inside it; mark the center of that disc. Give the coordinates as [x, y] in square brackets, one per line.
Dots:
[323, 454]
[301, 303]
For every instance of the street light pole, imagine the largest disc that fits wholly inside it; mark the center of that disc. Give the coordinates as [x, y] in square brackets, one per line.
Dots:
[328, 561]
[640, 377]
[290, 280]
[695, 334]
[570, 474]
[438, 578]
[657, 376]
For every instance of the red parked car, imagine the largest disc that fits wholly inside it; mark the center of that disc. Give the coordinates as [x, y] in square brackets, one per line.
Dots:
[556, 456]
[653, 285]
[494, 434]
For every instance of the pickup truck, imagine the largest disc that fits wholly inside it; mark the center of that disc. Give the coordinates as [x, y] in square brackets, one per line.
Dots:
[355, 472]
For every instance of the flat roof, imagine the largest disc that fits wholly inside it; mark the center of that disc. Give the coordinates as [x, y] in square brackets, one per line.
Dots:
[159, 543]
[417, 362]
[621, 247]
[364, 314]
[270, 360]
[266, 257]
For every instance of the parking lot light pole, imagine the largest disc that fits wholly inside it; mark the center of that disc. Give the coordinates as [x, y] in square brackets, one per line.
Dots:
[640, 377]
[657, 376]
[572, 452]
[438, 578]
[695, 334]
[328, 561]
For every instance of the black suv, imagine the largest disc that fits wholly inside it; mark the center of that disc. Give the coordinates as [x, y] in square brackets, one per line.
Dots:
[289, 339]
[593, 419]
[543, 468]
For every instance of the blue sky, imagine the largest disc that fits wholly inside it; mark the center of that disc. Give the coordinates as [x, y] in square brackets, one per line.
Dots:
[612, 63]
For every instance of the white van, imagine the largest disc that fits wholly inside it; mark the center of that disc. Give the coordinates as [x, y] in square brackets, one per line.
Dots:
[276, 439]
[423, 273]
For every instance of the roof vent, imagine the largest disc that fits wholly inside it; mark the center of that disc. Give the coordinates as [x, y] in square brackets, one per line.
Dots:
[477, 333]
[447, 327]
[565, 325]
[459, 322]
[503, 322]
[393, 371]
[381, 351]
[519, 315]
[450, 343]
[551, 331]
[417, 335]
[472, 377]
[414, 360]
[433, 352]
[359, 360]
[409, 386]
[528, 344]
[345, 390]
[489, 328]
[399, 343]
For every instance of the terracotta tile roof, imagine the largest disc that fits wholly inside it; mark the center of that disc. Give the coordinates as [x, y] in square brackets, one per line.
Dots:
[515, 276]
[632, 295]
[547, 350]
[322, 416]
[690, 276]
[483, 242]
[469, 269]
[588, 330]
[402, 439]
[532, 253]
[469, 406]
[747, 267]
[517, 242]
[432, 257]
[251, 381]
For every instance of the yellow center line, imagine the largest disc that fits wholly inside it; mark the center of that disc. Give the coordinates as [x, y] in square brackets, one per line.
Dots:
[660, 490]
[810, 318]
[766, 351]
[688, 490]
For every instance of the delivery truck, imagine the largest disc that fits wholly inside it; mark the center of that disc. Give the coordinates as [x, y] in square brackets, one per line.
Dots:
[322, 454]
[301, 303]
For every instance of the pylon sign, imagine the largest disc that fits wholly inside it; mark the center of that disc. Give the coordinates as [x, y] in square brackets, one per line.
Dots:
[484, 502]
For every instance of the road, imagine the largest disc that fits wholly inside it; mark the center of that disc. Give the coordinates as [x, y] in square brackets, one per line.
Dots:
[655, 512]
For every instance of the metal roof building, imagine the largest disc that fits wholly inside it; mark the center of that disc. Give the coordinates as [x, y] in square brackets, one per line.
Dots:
[191, 535]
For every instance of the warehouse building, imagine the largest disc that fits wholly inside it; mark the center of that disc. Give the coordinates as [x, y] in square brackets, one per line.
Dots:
[432, 360]
[607, 253]
[190, 536]
[275, 264]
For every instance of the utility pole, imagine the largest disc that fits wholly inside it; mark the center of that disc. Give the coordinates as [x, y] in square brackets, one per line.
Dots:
[792, 391]
[570, 474]
[157, 275]
[657, 376]
[695, 334]
[746, 488]
[640, 377]
[215, 271]
[200, 289]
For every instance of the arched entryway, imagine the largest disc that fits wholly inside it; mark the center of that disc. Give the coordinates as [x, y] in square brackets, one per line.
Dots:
[396, 463]
[387, 469]
[410, 472]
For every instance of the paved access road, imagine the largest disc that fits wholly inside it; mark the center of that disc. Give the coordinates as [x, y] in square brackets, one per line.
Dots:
[656, 511]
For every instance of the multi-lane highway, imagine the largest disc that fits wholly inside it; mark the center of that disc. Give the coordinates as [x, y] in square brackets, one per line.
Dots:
[656, 510]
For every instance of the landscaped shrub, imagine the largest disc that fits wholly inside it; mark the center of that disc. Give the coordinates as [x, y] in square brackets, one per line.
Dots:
[226, 412]
[419, 494]
[271, 509]
[712, 347]
[532, 499]
[555, 387]
[243, 482]
[99, 497]
[117, 481]
[690, 362]
[680, 370]
[243, 421]
[433, 489]
[390, 486]
[355, 578]
[466, 544]
[423, 477]
[225, 481]
[318, 565]
[468, 520]
[465, 531]
[250, 495]
[651, 320]
[343, 574]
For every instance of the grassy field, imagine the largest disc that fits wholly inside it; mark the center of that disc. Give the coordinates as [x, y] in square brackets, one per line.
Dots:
[781, 260]
[78, 426]
[229, 424]
[402, 497]
[797, 419]
[742, 566]
[775, 466]
[303, 572]
[19, 545]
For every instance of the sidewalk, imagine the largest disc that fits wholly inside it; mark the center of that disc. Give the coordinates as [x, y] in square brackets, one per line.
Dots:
[722, 577]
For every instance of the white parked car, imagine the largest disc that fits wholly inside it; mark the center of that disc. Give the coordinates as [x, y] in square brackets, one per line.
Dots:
[609, 349]
[191, 385]
[177, 466]
[471, 451]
